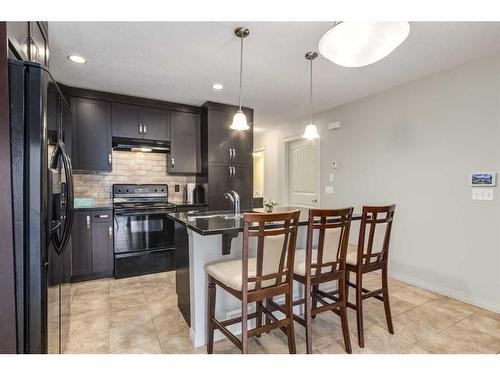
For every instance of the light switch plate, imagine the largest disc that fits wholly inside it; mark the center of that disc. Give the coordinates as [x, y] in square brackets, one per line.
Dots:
[329, 189]
[330, 177]
[482, 194]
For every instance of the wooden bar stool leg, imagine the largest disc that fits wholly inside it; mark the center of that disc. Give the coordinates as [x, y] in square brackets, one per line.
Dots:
[244, 326]
[258, 319]
[343, 316]
[314, 300]
[211, 314]
[359, 308]
[308, 317]
[289, 330]
[387, 306]
[347, 273]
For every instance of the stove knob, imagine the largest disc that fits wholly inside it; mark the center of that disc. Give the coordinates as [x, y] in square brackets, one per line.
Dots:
[119, 190]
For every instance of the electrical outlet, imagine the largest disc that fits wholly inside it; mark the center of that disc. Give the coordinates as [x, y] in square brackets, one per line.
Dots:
[329, 189]
[177, 188]
[482, 194]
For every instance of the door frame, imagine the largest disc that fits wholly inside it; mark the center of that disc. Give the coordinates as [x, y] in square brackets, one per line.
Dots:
[286, 145]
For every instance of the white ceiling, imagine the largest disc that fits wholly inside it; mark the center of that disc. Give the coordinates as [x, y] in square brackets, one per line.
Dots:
[179, 62]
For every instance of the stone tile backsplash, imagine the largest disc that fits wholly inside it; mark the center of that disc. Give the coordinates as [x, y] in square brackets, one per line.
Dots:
[129, 168]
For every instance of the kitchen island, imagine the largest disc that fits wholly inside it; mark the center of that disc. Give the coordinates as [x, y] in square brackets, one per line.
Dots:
[204, 238]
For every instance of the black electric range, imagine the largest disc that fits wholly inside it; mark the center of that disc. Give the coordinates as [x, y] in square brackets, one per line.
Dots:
[143, 232]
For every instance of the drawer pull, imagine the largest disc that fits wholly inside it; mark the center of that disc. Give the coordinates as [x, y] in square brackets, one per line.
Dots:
[102, 216]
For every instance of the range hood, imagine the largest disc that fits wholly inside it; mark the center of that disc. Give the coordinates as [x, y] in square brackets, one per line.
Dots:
[140, 145]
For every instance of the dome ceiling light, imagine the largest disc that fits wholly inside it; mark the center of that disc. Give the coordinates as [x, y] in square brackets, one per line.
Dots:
[354, 44]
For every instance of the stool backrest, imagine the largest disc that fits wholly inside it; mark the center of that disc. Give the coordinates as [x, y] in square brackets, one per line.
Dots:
[375, 234]
[275, 247]
[333, 227]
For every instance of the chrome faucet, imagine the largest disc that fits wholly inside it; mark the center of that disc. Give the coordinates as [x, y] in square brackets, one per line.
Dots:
[234, 197]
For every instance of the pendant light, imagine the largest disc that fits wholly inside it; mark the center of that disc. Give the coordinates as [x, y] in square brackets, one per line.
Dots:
[354, 44]
[311, 131]
[239, 119]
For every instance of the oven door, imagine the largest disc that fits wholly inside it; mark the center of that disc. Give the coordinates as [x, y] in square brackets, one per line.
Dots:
[142, 231]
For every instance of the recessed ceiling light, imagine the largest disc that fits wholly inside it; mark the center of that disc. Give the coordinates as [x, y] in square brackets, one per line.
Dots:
[217, 86]
[77, 59]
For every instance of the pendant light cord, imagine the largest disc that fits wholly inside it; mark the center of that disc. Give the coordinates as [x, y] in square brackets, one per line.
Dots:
[241, 70]
[311, 92]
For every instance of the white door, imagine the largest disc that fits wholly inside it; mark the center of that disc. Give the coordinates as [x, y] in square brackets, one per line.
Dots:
[303, 189]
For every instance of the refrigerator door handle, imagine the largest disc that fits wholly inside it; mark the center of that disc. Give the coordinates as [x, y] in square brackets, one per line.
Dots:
[61, 242]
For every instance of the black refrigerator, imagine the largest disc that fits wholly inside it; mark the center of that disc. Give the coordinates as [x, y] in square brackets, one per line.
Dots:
[42, 186]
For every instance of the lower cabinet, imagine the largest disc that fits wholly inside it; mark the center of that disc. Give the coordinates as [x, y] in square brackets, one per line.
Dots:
[92, 245]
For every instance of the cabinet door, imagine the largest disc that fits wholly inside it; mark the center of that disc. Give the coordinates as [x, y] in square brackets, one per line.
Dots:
[155, 124]
[185, 154]
[102, 247]
[219, 136]
[242, 142]
[242, 182]
[125, 121]
[218, 177]
[81, 254]
[92, 121]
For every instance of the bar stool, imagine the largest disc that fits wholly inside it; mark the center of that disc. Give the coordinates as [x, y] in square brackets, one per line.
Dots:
[267, 275]
[327, 263]
[371, 255]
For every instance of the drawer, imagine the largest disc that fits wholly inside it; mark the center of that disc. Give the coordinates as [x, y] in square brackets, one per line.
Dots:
[144, 262]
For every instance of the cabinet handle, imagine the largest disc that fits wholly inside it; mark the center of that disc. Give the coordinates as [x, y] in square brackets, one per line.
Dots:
[140, 128]
[234, 153]
[110, 231]
[173, 163]
[145, 129]
[102, 216]
[230, 153]
[234, 171]
[109, 159]
[88, 221]
[230, 172]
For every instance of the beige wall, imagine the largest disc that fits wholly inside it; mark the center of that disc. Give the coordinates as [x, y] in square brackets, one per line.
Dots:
[415, 145]
[129, 168]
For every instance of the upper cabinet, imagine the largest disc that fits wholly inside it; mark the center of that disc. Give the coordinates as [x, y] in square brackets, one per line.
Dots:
[224, 144]
[29, 41]
[92, 134]
[131, 121]
[185, 154]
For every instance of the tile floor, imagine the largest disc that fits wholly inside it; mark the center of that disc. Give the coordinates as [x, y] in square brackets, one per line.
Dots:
[140, 315]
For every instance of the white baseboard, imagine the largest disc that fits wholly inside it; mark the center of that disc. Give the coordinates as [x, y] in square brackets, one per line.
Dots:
[473, 300]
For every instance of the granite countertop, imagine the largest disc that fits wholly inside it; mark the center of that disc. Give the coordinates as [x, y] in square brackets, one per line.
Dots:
[221, 224]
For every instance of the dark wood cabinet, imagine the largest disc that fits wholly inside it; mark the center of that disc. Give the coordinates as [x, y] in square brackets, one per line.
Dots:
[81, 253]
[130, 121]
[241, 181]
[228, 155]
[102, 245]
[28, 41]
[185, 133]
[92, 130]
[219, 136]
[92, 245]
[126, 121]
[155, 124]
[219, 183]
